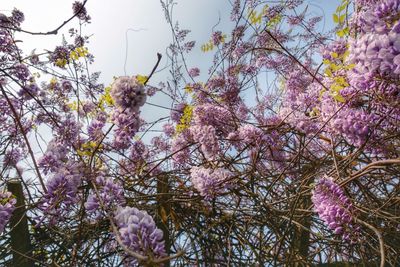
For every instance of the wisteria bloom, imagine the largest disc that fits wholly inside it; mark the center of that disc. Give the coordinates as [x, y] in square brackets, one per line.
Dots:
[80, 11]
[334, 208]
[68, 130]
[217, 38]
[128, 124]
[168, 129]
[377, 49]
[139, 233]
[194, 72]
[217, 116]
[29, 91]
[95, 129]
[60, 56]
[66, 86]
[21, 72]
[7, 206]
[210, 182]
[207, 137]
[111, 194]
[13, 156]
[54, 157]
[17, 17]
[180, 149]
[128, 93]
[62, 192]
[177, 112]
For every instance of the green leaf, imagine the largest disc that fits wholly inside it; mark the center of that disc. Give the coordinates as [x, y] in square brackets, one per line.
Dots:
[335, 18]
[340, 33]
[341, 18]
[341, 7]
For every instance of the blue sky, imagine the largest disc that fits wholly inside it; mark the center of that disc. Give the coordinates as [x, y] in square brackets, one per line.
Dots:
[111, 20]
[142, 24]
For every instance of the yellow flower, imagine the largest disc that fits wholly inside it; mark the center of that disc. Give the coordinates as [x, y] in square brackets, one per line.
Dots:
[82, 51]
[185, 119]
[74, 55]
[61, 62]
[141, 79]
[79, 52]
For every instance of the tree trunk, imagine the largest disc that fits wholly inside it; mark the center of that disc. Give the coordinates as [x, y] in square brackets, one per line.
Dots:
[164, 211]
[20, 240]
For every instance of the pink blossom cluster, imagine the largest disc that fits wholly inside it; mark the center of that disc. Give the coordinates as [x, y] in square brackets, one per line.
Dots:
[207, 138]
[210, 182]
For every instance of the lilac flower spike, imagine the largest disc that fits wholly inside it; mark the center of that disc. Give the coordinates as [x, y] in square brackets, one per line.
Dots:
[7, 206]
[128, 93]
[111, 194]
[334, 208]
[139, 233]
[209, 182]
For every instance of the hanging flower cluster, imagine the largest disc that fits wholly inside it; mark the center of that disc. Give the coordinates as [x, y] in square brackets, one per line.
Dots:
[128, 93]
[334, 208]
[210, 182]
[109, 192]
[139, 232]
[7, 206]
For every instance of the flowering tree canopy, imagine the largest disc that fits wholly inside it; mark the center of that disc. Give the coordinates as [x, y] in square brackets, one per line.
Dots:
[302, 171]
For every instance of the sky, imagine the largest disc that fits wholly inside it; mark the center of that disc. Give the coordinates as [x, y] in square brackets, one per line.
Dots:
[148, 31]
[134, 31]
[140, 22]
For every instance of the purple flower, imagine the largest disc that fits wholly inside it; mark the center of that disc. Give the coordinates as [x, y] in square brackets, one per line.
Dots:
[180, 149]
[17, 17]
[206, 136]
[60, 56]
[194, 72]
[68, 130]
[334, 208]
[138, 151]
[217, 37]
[159, 143]
[209, 182]
[6, 41]
[29, 91]
[216, 82]
[95, 129]
[128, 93]
[250, 134]
[338, 47]
[54, 157]
[214, 115]
[139, 233]
[66, 86]
[111, 194]
[177, 112]
[168, 129]
[13, 156]
[21, 72]
[7, 206]
[80, 11]
[128, 124]
[62, 189]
